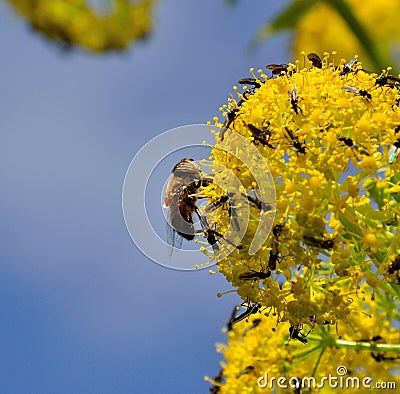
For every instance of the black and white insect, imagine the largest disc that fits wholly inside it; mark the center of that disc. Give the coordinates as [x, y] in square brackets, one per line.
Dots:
[294, 100]
[348, 66]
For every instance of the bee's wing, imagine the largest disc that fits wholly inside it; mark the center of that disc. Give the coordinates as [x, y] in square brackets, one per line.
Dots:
[173, 238]
[170, 191]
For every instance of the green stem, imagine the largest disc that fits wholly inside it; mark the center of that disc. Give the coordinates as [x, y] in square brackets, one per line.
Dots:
[327, 340]
[379, 347]
[378, 59]
[318, 361]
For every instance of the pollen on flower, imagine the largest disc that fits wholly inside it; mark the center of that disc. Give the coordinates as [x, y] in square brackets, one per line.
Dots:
[369, 241]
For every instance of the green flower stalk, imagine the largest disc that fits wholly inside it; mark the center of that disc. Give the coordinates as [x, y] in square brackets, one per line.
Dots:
[329, 133]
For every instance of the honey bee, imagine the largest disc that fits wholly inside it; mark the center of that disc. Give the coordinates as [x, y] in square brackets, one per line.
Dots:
[181, 198]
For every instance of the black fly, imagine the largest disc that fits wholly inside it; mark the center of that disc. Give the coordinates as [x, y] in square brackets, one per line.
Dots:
[319, 242]
[295, 333]
[300, 147]
[249, 81]
[253, 275]
[230, 117]
[388, 80]
[260, 135]
[395, 265]
[274, 253]
[350, 143]
[251, 309]
[358, 92]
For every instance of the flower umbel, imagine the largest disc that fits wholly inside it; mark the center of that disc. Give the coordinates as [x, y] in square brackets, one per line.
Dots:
[326, 131]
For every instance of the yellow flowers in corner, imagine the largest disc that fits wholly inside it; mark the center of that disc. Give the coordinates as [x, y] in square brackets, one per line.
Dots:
[74, 23]
[376, 17]
[329, 132]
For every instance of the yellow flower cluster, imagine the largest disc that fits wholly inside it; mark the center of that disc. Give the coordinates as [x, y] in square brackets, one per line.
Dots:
[74, 22]
[377, 17]
[329, 133]
[258, 353]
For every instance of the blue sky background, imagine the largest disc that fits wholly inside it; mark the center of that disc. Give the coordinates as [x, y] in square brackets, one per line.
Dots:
[83, 311]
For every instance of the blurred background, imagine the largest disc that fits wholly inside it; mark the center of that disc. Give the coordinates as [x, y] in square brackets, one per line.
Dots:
[83, 311]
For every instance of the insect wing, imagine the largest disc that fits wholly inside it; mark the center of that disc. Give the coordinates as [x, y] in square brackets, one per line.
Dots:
[249, 81]
[352, 62]
[351, 89]
[170, 191]
[347, 67]
[394, 152]
[187, 168]
[315, 60]
[174, 240]
[277, 69]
